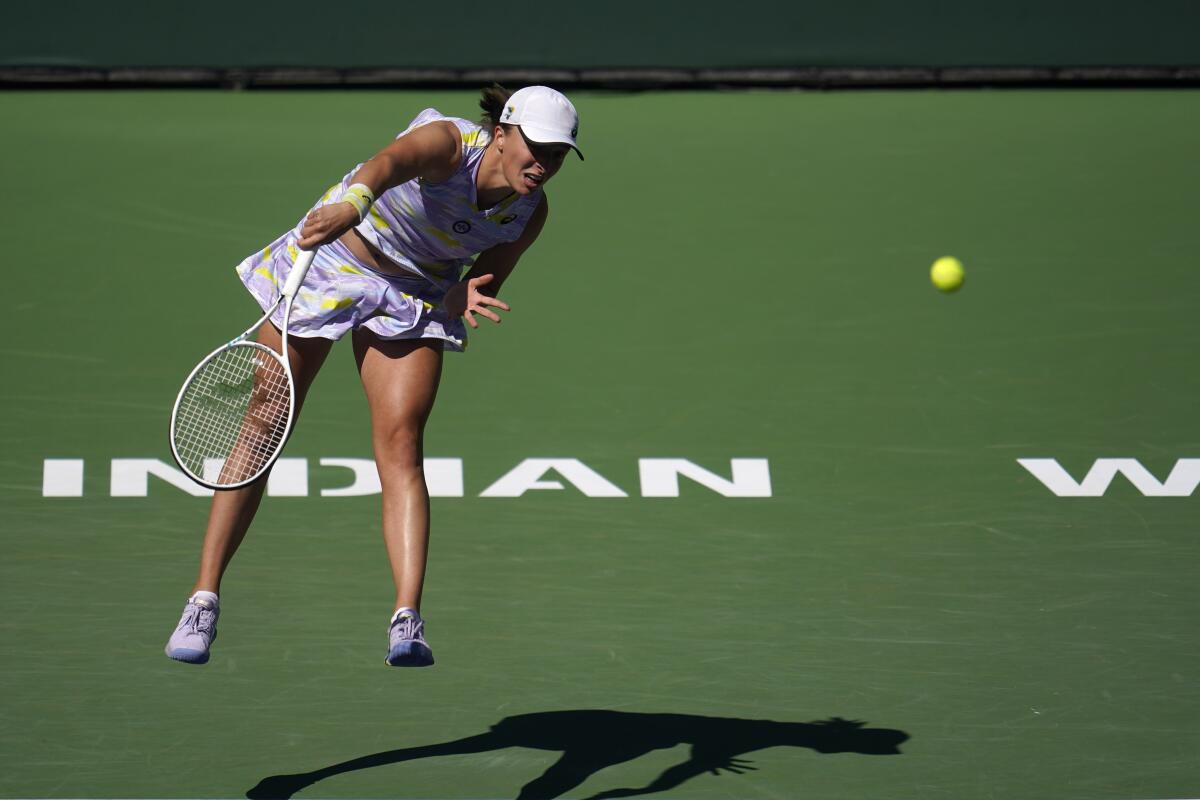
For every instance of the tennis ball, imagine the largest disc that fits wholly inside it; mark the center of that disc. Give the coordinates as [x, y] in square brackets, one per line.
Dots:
[947, 274]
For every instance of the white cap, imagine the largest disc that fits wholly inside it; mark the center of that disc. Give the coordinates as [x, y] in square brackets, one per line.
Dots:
[544, 115]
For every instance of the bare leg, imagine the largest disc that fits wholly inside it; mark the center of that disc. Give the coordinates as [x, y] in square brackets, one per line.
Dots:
[231, 512]
[401, 379]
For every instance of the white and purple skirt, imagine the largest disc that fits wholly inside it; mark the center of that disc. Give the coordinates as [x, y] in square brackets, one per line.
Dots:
[340, 293]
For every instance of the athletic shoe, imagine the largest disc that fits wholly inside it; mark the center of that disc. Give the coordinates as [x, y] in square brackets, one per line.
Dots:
[196, 632]
[406, 641]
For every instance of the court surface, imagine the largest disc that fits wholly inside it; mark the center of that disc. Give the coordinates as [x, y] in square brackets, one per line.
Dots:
[727, 276]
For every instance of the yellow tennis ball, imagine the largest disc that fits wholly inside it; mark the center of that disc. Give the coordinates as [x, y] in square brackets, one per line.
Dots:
[947, 274]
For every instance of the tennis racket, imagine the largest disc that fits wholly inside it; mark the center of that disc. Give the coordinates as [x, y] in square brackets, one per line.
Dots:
[235, 410]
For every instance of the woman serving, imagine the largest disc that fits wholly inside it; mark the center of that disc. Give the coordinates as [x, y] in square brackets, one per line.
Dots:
[395, 236]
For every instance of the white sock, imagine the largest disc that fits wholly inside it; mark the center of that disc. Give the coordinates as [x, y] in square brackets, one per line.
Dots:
[412, 612]
[209, 599]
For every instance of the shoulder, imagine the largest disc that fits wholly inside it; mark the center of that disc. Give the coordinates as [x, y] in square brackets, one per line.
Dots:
[434, 147]
[445, 142]
[437, 131]
[464, 132]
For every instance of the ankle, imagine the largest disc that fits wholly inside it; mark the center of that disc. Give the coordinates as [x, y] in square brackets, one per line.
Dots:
[206, 598]
[412, 612]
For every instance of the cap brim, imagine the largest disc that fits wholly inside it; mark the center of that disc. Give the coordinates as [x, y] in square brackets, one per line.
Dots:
[545, 136]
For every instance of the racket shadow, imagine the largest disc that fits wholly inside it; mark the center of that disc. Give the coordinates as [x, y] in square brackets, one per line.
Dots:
[593, 740]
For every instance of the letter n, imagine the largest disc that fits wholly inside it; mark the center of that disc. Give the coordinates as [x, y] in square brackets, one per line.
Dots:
[131, 478]
[750, 477]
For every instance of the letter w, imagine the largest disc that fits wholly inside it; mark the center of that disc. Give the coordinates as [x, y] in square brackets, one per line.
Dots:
[1182, 481]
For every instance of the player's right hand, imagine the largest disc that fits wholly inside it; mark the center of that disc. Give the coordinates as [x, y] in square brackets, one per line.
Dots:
[326, 223]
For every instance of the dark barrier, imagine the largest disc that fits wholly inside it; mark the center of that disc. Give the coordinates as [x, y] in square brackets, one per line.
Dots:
[447, 42]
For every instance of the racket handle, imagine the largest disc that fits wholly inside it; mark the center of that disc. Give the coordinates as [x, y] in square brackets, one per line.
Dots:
[299, 270]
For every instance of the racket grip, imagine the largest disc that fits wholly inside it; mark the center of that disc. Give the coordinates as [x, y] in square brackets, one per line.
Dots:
[299, 270]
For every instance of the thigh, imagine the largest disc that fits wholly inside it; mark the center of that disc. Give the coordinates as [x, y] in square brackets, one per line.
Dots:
[305, 354]
[400, 377]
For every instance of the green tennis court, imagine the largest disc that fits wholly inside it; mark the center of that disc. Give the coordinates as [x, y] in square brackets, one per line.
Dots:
[729, 276]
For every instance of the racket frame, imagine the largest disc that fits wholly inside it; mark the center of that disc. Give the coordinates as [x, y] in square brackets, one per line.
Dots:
[287, 295]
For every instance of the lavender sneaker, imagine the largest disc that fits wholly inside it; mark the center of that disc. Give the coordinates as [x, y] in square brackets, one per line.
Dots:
[196, 632]
[406, 641]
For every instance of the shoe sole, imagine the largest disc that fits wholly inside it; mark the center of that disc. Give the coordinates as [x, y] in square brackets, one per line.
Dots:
[411, 657]
[188, 656]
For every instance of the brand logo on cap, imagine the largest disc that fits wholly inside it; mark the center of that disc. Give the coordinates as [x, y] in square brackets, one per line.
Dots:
[462, 226]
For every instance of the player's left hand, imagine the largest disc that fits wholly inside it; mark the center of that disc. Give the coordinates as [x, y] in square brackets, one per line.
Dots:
[730, 764]
[466, 300]
[326, 223]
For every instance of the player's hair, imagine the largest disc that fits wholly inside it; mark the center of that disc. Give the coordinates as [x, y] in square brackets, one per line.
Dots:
[492, 100]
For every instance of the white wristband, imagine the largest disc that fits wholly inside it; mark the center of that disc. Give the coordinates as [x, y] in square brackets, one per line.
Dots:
[361, 197]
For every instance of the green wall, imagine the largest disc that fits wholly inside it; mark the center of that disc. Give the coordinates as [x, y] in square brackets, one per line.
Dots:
[620, 33]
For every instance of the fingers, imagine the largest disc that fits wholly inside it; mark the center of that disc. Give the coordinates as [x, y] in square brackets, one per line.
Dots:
[477, 302]
[493, 301]
[326, 223]
[314, 224]
[311, 236]
[735, 766]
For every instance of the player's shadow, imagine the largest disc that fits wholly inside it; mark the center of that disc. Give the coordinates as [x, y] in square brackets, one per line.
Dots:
[592, 740]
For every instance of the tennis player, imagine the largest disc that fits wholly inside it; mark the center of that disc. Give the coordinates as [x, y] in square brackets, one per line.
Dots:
[414, 246]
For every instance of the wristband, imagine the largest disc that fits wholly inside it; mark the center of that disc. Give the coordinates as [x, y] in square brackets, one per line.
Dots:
[359, 195]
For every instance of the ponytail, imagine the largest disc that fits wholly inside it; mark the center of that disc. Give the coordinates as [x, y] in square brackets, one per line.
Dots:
[492, 100]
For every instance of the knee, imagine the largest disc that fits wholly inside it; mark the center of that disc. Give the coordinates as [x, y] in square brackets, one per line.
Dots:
[399, 446]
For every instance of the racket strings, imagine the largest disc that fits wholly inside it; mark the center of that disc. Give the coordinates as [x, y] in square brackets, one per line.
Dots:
[233, 415]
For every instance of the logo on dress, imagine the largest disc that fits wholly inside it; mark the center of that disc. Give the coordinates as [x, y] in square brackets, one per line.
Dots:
[462, 226]
[508, 219]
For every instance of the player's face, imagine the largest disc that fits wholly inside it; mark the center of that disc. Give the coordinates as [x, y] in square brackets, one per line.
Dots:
[528, 165]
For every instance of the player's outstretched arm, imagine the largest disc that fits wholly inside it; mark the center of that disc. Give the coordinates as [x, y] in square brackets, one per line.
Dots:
[680, 773]
[431, 151]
